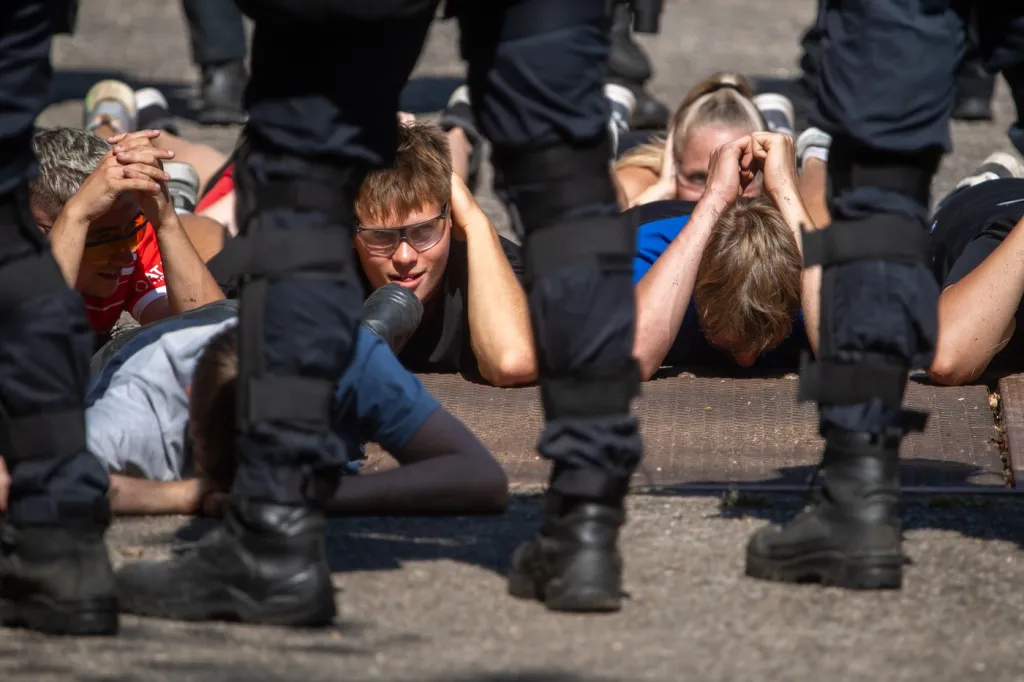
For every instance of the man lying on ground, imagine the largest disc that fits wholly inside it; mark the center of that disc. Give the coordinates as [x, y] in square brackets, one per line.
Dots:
[113, 228]
[161, 414]
[727, 287]
[978, 250]
[420, 227]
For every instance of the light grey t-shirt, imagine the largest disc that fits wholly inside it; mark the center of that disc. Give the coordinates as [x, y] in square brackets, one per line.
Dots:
[137, 412]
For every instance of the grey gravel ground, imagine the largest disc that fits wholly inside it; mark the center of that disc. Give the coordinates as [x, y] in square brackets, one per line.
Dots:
[423, 599]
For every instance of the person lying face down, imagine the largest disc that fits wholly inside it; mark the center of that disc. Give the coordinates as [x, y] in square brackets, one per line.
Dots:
[161, 415]
[721, 282]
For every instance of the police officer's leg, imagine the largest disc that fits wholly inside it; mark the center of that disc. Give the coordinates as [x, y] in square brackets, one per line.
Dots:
[55, 574]
[311, 134]
[878, 297]
[218, 48]
[1001, 39]
[974, 84]
[536, 69]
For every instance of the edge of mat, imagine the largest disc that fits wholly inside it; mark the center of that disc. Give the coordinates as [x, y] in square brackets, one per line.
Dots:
[1011, 400]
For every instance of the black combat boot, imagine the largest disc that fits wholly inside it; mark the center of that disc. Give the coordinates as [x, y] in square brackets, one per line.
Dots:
[265, 564]
[222, 94]
[573, 563]
[629, 66]
[57, 580]
[851, 536]
[393, 313]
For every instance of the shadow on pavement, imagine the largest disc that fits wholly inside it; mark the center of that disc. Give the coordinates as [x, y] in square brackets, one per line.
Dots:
[980, 516]
[387, 543]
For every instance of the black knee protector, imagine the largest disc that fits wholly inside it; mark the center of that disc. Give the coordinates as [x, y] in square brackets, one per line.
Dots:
[544, 186]
[269, 250]
[849, 378]
[30, 275]
[579, 277]
[852, 165]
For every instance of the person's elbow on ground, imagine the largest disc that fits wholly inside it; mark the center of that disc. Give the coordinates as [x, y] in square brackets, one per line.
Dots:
[948, 369]
[513, 367]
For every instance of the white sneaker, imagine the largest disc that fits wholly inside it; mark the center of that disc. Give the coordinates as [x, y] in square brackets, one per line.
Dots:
[998, 165]
[622, 101]
[777, 111]
[812, 143]
[112, 103]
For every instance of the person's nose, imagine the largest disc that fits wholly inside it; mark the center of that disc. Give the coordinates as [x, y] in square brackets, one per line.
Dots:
[122, 257]
[404, 256]
[745, 359]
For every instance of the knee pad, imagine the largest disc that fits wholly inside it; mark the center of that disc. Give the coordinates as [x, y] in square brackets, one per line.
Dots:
[852, 378]
[544, 186]
[851, 166]
[267, 250]
[579, 274]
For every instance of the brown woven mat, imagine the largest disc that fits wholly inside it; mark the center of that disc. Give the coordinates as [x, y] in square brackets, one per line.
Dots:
[715, 432]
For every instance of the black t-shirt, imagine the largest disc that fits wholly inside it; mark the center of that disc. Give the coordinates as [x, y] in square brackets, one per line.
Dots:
[441, 343]
[971, 223]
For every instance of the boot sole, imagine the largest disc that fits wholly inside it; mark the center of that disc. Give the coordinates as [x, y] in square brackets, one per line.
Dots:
[584, 588]
[86, 618]
[236, 606]
[833, 569]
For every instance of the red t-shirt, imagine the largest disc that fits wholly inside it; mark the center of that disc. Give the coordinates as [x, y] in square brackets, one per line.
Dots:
[224, 185]
[140, 284]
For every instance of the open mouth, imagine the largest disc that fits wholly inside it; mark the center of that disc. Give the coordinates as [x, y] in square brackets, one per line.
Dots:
[109, 276]
[408, 281]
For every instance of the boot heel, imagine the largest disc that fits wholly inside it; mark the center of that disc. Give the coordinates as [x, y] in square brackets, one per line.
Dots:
[873, 575]
[592, 582]
[521, 585]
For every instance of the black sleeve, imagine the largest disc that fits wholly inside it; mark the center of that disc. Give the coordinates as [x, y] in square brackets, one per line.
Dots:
[514, 254]
[977, 250]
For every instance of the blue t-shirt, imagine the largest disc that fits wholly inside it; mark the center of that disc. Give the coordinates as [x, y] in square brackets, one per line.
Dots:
[137, 406]
[657, 224]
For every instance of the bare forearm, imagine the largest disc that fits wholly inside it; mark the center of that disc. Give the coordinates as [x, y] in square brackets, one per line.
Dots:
[499, 320]
[67, 242]
[664, 293]
[138, 496]
[189, 282]
[797, 217]
[976, 314]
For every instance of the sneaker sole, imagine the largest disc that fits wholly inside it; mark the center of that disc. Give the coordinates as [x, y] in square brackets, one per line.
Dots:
[831, 569]
[87, 618]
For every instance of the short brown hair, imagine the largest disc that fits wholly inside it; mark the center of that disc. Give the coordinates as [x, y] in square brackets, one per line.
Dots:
[211, 408]
[748, 282]
[421, 176]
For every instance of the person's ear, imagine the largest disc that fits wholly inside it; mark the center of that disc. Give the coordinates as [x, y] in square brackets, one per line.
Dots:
[188, 390]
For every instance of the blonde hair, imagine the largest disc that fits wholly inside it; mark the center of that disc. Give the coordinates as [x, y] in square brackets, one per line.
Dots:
[723, 99]
[748, 281]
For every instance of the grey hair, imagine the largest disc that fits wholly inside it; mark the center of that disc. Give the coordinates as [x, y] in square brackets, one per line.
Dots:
[67, 156]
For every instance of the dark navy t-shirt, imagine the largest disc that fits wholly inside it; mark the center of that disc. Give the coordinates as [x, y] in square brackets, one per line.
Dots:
[657, 224]
[137, 412]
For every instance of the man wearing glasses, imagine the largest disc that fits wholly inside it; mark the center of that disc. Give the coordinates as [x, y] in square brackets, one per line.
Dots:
[112, 229]
[419, 227]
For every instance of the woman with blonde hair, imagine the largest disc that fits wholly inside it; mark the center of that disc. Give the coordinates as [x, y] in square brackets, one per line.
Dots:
[719, 109]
